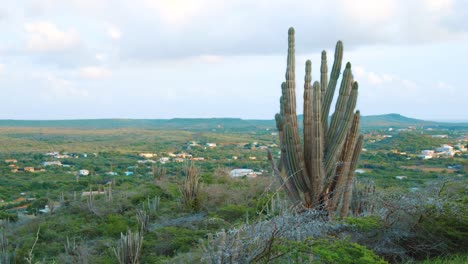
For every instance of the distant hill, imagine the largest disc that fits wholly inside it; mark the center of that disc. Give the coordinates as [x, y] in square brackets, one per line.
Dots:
[393, 120]
[169, 124]
[375, 121]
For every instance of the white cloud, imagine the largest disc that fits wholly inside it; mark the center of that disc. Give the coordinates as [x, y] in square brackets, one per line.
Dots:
[439, 6]
[379, 79]
[210, 58]
[94, 72]
[114, 32]
[57, 87]
[46, 37]
[100, 57]
[2, 68]
[177, 13]
[369, 11]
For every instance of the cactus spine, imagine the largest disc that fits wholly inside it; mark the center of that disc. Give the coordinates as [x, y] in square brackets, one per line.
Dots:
[319, 172]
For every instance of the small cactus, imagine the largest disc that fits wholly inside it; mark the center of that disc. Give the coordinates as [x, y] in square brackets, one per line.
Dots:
[319, 172]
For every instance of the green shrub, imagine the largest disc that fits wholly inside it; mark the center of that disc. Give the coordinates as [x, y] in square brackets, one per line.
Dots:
[339, 251]
[232, 212]
[366, 224]
[8, 216]
[113, 225]
[170, 240]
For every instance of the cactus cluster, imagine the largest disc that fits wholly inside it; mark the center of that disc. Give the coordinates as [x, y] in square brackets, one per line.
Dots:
[317, 171]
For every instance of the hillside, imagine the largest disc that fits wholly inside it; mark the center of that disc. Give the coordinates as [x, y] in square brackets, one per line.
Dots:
[374, 121]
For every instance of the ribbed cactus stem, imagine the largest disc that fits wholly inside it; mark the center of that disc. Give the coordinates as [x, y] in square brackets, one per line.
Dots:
[295, 159]
[341, 103]
[337, 141]
[307, 118]
[348, 187]
[294, 150]
[345, 160]
[285, 183]
[323, 74]
[330, 91]
[316, 159]
[283, 163]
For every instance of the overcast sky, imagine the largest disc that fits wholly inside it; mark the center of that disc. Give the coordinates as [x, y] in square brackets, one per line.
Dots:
[76, 59]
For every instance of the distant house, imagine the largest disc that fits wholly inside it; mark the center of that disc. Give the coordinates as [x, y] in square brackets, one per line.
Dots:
[439, 136]
[83, 172]
[111, 173]
[401, 177]
[240, 172]
[252, 158]
[128, 173]
[425, 156]
[11, 161]
[182, 155]
[427, 152]
[147, 155]
[193, 144]
[164, 159]
[179, 160]
[460, 147]
[46, 210]
[444, 148]
[211, 145]
[146, 161]
[62, 156]
[51, 163]
[29, 169]
[198, 158]
[243, 172]
[83, 194]
[360, 171]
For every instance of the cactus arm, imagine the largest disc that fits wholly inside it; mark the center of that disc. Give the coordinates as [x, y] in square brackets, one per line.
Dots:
[330, 91]
[286, 184]
[348, 188]
[316, 159]
[341, 103]
[346, 157]
[293, 141]
[307, 118]
[337, 142]
[323, 74]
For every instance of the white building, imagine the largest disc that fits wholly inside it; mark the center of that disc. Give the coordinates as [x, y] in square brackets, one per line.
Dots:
[242, 172]
[444, 148]
[164, 159]
[425, 157]
[83, 172]
[211, 145]
[51, 163]
[439, 136]
[147, 155]
[427, 152]
[460, 147]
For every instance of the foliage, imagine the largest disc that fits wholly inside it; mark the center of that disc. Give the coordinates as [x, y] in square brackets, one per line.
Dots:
[342, 251]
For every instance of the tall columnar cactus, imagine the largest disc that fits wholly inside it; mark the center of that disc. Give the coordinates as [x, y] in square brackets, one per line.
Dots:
[318, 172]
